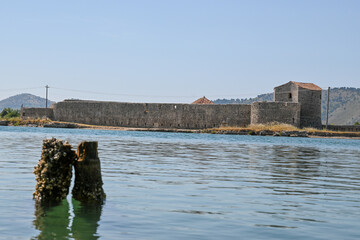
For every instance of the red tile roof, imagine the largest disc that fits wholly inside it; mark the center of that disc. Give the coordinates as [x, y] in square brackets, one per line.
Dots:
[203, 100]
[309, 86]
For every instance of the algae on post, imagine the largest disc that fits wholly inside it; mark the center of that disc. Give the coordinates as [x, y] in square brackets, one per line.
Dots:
[54, 171]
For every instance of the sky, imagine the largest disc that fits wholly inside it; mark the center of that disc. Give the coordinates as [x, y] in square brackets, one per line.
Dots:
[175, 51]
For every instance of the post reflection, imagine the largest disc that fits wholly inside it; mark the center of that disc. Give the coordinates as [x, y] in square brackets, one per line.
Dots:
[62, 221]
[52, 220]
[86, 220]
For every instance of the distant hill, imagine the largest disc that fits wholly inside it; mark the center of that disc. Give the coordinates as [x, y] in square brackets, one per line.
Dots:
[25, 99]
[267, 97]
[344, 104]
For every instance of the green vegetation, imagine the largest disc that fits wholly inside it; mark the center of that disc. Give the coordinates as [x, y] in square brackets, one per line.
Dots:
[357, 124]
[8, 113]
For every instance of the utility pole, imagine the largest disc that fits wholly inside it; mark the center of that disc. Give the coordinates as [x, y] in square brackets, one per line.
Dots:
[47, 87]
[327, 108]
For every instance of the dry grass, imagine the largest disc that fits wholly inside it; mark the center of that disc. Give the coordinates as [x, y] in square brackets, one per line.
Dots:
[23, 122]
[275, 127]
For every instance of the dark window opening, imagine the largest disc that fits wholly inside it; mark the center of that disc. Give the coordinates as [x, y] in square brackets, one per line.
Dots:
[290, 95]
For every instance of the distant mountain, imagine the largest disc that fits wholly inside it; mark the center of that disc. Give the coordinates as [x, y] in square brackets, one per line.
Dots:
[344, 104]
[25, 99]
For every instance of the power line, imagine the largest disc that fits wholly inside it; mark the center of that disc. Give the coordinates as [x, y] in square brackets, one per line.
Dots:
[148, 96]
[18, 89]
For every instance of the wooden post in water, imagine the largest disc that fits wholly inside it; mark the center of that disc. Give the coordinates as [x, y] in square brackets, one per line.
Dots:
[88, 181]
[54, 171]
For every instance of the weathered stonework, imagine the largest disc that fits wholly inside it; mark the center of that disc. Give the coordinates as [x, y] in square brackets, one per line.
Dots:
[34, 113]
[282, 112]
[152, 115]
[295, 103]
[308, 95]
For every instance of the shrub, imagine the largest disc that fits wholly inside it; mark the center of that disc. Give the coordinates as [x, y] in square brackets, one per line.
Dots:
[9, 113]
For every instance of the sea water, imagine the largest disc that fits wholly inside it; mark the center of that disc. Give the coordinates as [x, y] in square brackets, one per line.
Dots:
[189, 186]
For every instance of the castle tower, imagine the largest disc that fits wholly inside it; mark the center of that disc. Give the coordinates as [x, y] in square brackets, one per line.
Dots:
[308, 95]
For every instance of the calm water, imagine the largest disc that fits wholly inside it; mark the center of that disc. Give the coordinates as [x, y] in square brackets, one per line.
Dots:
[189, 186]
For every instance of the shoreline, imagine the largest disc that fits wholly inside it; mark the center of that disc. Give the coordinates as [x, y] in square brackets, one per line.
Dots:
[253, 131]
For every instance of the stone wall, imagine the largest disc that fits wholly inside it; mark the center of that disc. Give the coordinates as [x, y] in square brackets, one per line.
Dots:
[152, 115]
[343, 128]
[310, 108]
[282, 112]
[310, 100]
[35, 113]
[286, 93]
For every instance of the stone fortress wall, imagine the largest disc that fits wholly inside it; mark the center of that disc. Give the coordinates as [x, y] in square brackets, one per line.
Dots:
[308, 95]
[282, 112]
[34, 113]
[152, 115]
[296, 104]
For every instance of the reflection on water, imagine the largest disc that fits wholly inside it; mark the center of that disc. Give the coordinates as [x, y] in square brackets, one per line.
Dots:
[189, 186]
[52, 220]
[64, 221]
[86, 220]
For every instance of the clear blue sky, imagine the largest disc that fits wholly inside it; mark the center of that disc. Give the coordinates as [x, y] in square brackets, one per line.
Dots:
[175, 51]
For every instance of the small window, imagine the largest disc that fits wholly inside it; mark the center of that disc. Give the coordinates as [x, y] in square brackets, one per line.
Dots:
[290, 95]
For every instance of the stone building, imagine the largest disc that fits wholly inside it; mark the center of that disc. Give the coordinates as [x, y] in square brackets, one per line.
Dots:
[298, 104]
[309, 97]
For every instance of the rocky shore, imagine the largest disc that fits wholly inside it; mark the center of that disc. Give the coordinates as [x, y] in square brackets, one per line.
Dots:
[318, 133]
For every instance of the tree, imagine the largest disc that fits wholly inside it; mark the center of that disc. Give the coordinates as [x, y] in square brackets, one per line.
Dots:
[9, 113]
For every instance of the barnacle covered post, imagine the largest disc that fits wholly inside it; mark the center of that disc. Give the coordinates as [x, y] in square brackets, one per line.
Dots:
[88, 181]
[54, 171]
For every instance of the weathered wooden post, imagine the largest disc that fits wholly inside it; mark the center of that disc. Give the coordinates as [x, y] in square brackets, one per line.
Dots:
[88, 181]
[54, 171]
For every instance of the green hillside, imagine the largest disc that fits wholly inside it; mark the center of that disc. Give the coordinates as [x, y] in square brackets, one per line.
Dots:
[344, 104]
[25, 99]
